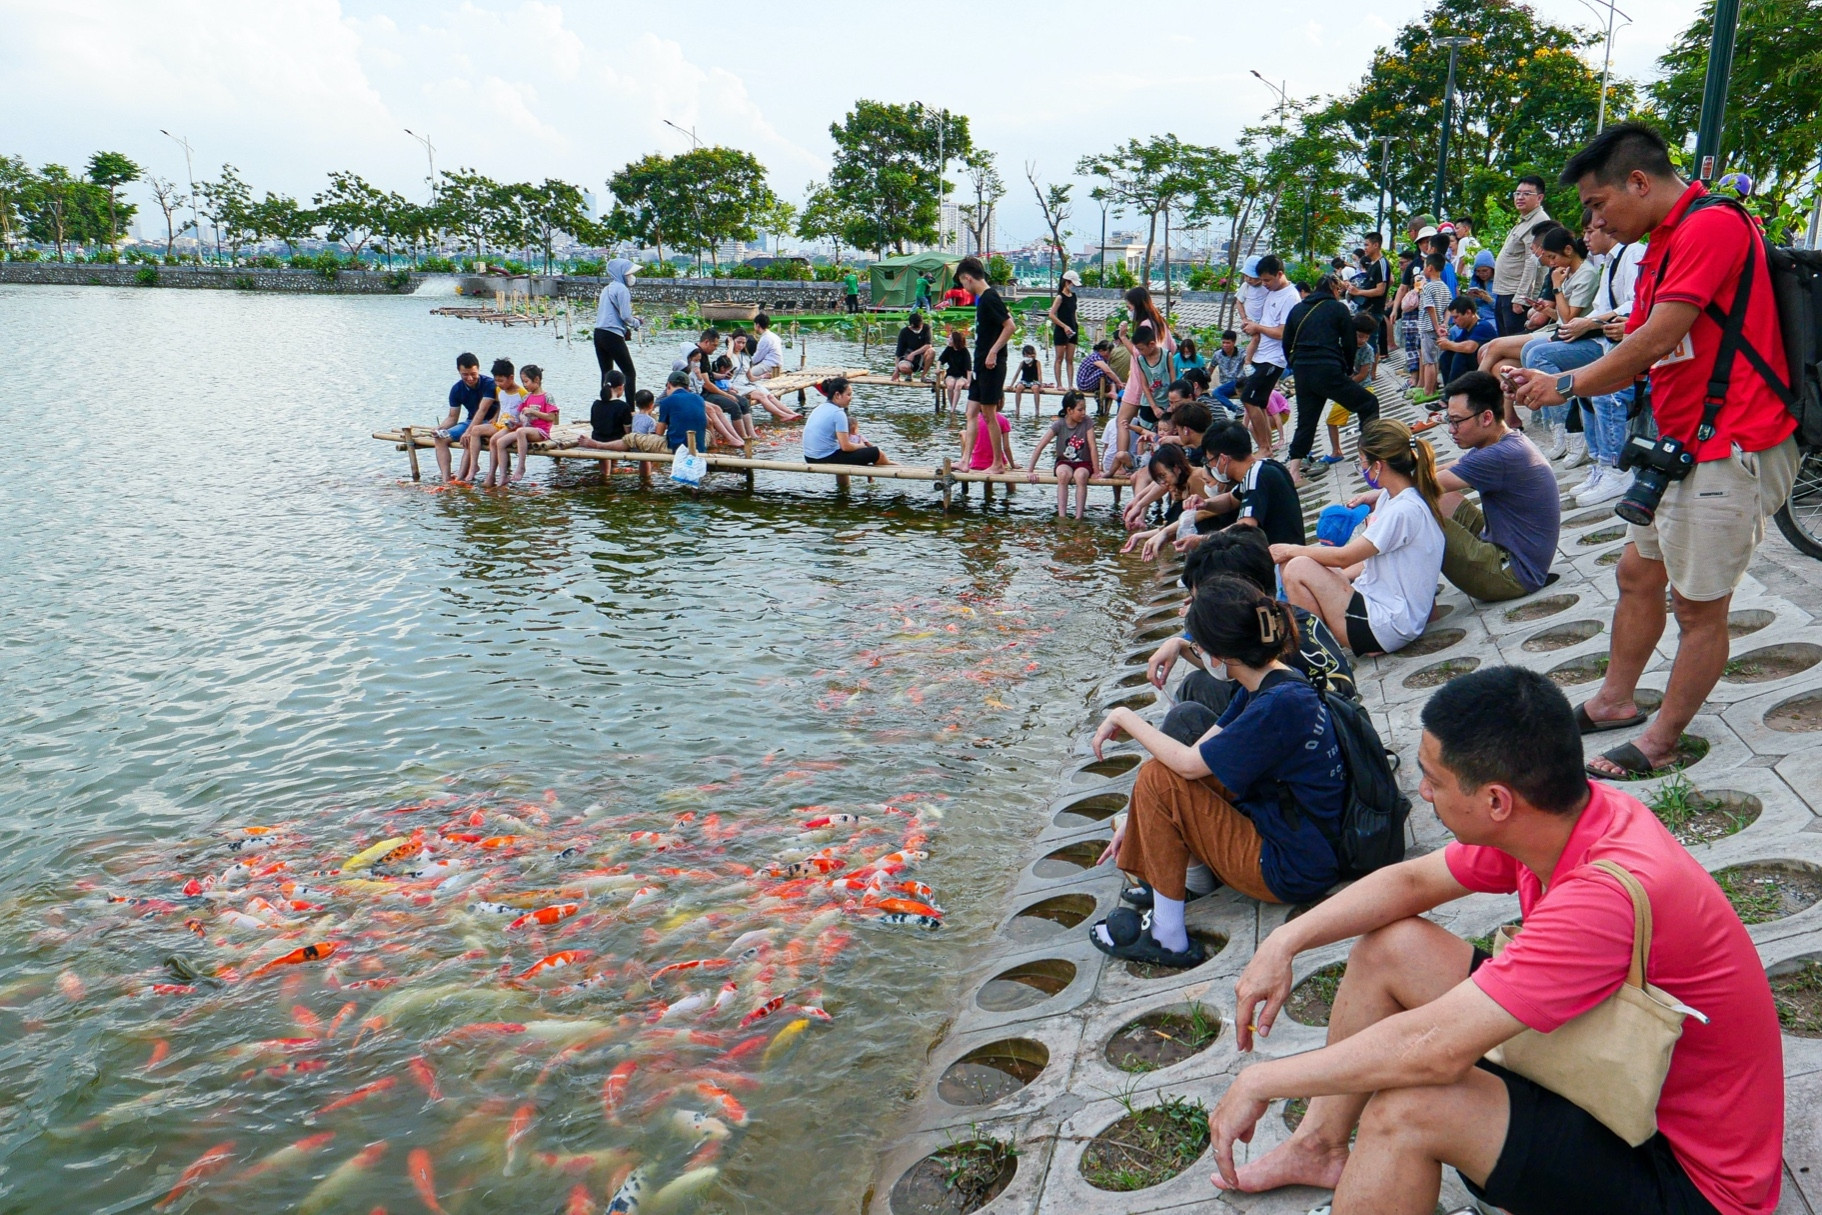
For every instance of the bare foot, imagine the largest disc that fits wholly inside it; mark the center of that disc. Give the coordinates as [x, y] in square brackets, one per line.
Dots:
[1300, 1160]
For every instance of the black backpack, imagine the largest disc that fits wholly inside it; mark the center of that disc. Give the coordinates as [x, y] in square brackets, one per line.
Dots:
[1369, 835]
[1796, 287]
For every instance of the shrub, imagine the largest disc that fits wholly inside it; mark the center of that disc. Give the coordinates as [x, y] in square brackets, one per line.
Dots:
[512, 267]
[436, 265]
[266, 261]
[830, 272]
[398, 280]
[658, 270]
[590, 267]
[999, 270]
[785, 272]
[146, 276]
[243, 282]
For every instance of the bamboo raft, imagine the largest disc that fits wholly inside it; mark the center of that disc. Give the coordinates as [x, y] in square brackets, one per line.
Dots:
[946, 479]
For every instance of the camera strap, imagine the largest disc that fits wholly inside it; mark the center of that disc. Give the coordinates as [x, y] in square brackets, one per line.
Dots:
[1733, 327]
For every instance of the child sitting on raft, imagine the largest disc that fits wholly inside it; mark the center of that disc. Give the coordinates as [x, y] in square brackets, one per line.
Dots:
[537, 412]
[1075, 459]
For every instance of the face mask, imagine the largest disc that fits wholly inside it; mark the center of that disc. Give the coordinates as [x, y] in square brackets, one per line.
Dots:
[1371, 480]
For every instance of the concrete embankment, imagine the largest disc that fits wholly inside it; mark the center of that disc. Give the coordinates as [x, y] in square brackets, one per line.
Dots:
[220, 278]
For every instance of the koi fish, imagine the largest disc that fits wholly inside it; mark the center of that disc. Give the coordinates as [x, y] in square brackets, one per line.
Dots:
[485, 908]
[698, 964]
[426, 1077]
[824, 821]
[356, 1097]
[919, 921]
[731, 1109]
[340, 1178]
[728, 991]
[367, 856]
[764, 1010]
[811, 866]
[683, 1187]
[581, 1202]
[423, 1179]
[516, 1130]
[781, 1044]
[909, 907]
[613, 1089]
[210, 1162]
[557, 961]
[628, 1197]
[285, 1157]
[644, 894]
[403, 852]
[546, 916]
[309, 953]
[685, 1006]
[495, 842]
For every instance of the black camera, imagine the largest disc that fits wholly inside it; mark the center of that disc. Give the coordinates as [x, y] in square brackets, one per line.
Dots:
[1657, 462]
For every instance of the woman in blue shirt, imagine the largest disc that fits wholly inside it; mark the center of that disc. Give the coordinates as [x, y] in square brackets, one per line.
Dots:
[830, 437]
[1255, 799]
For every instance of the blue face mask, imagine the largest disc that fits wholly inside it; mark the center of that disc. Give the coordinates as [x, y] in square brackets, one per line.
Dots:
[1366, 471]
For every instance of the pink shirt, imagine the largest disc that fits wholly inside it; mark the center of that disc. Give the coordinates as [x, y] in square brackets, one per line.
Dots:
[1722, 1108]
[981, 457]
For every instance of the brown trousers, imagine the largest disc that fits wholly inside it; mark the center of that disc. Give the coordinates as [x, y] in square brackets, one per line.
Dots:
[1175, 820]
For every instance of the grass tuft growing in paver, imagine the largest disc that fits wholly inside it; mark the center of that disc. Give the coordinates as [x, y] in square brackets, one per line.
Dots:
[1798, 996]
[1312, 999]
[1162, 1038]
[1147, 1146]
[958, 1179]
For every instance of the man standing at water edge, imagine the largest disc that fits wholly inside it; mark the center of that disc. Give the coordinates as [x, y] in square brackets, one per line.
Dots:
[850, 285]
[993, 327]
[472, 392]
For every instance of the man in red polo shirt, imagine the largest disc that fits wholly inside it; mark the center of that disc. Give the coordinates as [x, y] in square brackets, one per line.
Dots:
[1708, 523]
[1418, 1008]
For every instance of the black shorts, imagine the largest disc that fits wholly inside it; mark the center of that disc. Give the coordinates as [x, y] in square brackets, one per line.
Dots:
[1256, 389]
[860, 455]
[988, 387]
[1060, 336]
[1360, 637]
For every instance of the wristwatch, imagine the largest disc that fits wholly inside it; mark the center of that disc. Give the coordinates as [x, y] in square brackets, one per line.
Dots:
[1565, 385]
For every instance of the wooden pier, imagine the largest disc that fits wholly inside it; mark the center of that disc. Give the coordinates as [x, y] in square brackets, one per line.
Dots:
[945, 480]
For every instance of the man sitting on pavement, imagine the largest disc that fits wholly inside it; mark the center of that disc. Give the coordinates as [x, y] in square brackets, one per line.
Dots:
[1419, 1008]
[914, 348]
[1501, 549]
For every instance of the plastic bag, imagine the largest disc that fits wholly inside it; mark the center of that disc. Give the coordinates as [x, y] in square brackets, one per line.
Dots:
[688, 468]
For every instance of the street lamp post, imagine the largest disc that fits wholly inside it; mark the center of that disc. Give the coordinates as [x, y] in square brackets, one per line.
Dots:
[1600, 122]
[1284, 105]
[189, 168]
[1714, 90]
[431, 153]
[694, 144]
[1385, 181]
[1454, 44]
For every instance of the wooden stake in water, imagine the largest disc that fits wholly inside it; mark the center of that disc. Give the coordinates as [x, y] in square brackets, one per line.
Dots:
[411, 452]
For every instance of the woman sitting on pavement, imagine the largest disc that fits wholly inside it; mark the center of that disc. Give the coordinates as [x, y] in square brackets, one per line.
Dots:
[1376, 591]
[1248, 799]
[830, 437]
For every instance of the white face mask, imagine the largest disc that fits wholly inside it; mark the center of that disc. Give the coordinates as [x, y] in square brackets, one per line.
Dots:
[631, 279]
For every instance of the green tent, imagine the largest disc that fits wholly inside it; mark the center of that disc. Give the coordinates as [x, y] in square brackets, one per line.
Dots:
[895, 278]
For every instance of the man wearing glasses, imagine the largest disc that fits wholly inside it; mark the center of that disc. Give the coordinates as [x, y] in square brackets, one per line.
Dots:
[1502, 548]
[1516, 274]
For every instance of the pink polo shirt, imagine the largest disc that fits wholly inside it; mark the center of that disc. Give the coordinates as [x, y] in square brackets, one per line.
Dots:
[1722, 1108]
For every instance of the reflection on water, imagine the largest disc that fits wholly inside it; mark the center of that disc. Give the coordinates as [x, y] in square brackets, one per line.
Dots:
[226, 609]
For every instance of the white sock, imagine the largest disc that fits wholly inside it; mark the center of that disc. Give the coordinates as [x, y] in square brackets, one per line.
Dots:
[1101, 934]
[1167, 923]
[1200, 879]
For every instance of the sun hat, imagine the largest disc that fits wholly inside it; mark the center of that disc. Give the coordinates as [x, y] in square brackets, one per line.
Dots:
[1251, 268]
[1425, 233]
[1072, 278]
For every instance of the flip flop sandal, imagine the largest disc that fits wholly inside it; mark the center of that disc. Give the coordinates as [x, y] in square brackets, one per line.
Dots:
[1133, 942]
[1137, 896]
[1627, 758]
[1588, 725]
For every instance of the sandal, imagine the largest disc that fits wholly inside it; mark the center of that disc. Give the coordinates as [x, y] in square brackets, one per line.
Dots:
[1137, 896]
[1133, 942]
[1588, 725]
[1627, 758]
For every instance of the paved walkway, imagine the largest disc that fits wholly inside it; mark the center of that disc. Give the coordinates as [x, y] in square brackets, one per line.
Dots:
[1047, 985]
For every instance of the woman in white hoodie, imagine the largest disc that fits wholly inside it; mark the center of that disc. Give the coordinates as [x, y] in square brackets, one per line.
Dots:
[615, 322]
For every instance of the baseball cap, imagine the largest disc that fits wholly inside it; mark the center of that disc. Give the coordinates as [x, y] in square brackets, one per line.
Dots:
[1444, 226]
[1251, 268]
[678, 379]
[1070, 276]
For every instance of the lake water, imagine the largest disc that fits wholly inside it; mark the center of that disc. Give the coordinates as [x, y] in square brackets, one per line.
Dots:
[226, 608]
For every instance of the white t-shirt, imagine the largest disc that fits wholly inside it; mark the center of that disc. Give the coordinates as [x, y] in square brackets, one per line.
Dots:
[1273, 311]
[768, 354]
[1252, 298]
[1399, 584]
[510, 404]
[826, 421]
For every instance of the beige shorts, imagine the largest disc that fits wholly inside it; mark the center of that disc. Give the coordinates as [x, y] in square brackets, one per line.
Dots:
[1710, 522]
[638, 442]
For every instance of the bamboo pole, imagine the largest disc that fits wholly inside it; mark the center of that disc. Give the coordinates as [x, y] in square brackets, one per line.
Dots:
[411, 453]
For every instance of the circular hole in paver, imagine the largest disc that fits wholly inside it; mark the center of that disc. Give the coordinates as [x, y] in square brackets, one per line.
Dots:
[1051, 916]
[1772, 662]
[1137, 679]
[1107, 769]
[1648, 699]
[1147, 1147]
[1605, 535]
[1441, 611]
[1537, 609]
[1138, 700]
[1172, 593]
[1796, 990]
[1762, 891]
[956, 1180]
[1562, 636]
[1611, 556]
[1164, 611]
[1690, 748]
[1067, 862]
[1798, 715]
[1432, 641]
[1696, 816]
[1747, 620]
[1311, 999]
[1213, 942]
[1087, 811]
[1026, 984]
[991, 1072]
[1437, 674]
[1142, 654]
[1586, 669]
[1161, 631]
[1163, 1037]
[1587, 517]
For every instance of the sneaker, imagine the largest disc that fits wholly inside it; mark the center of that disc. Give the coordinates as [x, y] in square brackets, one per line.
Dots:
[1595, 473]
[1578, 452]
[1333, 459]
[1613, 485]
[1559, 442]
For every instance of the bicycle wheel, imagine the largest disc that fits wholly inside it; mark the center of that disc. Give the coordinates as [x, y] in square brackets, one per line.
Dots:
[1800, 518]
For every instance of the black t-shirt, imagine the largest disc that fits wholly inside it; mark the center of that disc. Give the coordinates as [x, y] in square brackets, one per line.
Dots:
[610, 419]
[1268, 497]
[910, 339]
[1319, 332]
[955, 362]
[1377, 271]
[990, 316]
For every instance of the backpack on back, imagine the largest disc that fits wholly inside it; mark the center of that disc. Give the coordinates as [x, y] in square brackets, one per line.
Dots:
[1370, 834]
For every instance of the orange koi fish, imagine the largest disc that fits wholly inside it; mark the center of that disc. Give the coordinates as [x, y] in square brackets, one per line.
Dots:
[309, 953]
[907, 907]
[613, 1089]
[581, 1202]
[211, 1161]
[347, 1010]
[516, 1130]
[160, 1049]
[426, 1077]
[423, 1179]
[764, 1010]
[833, 820]
[357, 1096]
[285, 1157]
[698, 964]
[554, 914]
[557, 961]
[731, 1109]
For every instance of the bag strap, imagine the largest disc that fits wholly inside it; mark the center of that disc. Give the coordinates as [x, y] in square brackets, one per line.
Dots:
[1641, 919]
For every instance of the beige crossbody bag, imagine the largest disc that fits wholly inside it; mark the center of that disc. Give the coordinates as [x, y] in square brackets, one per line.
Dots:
[1612, 1059]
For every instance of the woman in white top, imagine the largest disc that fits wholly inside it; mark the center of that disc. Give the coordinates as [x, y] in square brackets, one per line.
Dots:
[1375, 592]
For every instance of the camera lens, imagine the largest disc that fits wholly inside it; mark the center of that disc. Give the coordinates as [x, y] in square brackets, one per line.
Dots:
[1639, 505]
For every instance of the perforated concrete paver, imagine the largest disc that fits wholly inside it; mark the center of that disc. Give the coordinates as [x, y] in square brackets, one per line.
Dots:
[1564, 629]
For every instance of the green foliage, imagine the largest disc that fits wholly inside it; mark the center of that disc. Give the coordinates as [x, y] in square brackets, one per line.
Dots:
[1118, 276]
[349, 210]
[110, 171]
[1774, 94]
[278, 217]
[692, 201]
[588, 267]
[999, 270]
[16, 184]
[265, 261]
[442, 265]
[832, 272]
[146, 276]
[888, 171]
[785, 272]
[1163, 172]
[229, 204]
[398, 280]
[658, 269]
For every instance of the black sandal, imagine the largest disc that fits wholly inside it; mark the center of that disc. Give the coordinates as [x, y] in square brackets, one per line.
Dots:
[1589, 725]
[1139, 896]
[1628, 759]
[1133, 942]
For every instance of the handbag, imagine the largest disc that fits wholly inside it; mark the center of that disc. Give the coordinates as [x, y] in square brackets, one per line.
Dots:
[1611, 1060]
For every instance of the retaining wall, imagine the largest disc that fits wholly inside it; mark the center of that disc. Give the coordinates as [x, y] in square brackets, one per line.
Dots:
[227, 278]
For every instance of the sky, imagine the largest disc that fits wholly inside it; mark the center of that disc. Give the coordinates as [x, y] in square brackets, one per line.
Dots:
[287, 90]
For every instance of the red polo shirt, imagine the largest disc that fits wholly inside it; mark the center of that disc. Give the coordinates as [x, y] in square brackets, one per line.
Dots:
[1702, 257]
[1722, 1107]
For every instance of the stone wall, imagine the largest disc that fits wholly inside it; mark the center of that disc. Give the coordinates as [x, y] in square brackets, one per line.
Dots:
[769, 295]
[230, 278]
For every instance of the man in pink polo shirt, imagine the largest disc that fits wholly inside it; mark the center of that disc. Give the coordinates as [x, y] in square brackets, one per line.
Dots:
[1418, 1008]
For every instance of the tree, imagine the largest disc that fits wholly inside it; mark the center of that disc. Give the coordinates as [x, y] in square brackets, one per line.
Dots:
[50, 205]
[826, 215]
[110, 171]
[648, 202]
[1053, 200]
[349, 211]
[888, 167]
[467, 205]
[697, 199]
[1147, 177]
[17, 185]
[1774, 94]
[778, 222]
[230, 205]
[983, 175]
[169, 201]
[278, 217]
[1525, 100]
